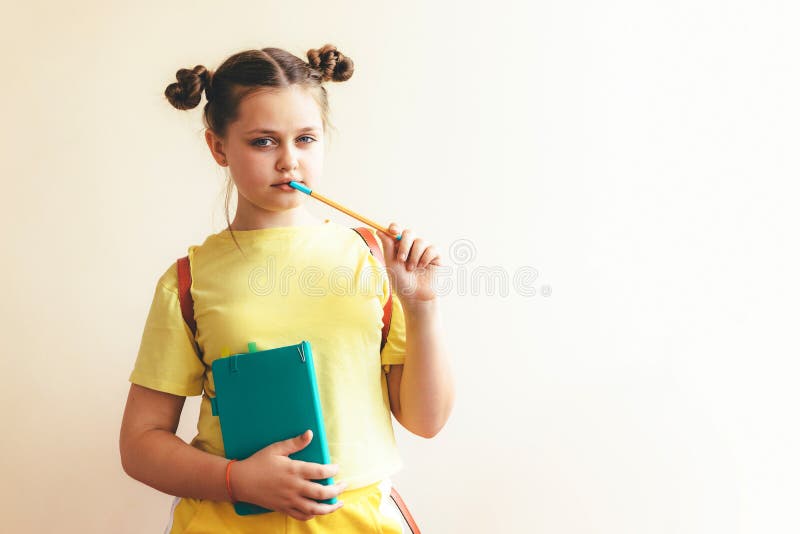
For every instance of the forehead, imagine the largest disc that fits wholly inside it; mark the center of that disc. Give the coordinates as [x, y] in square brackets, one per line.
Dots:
[285, 110]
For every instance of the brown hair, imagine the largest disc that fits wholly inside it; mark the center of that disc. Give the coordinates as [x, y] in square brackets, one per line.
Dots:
[252, 70]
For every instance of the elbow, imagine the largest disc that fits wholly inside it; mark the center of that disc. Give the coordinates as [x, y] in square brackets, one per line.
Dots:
[427, 434]
[426, 425]
[429, 427]
[422, 431]
[433, 429]
[427, 431]
[124, 458]
[127, 455]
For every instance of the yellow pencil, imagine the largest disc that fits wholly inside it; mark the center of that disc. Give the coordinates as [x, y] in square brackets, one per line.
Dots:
[306, 190]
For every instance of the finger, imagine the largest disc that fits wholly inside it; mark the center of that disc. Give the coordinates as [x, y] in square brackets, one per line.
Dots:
[312, 508]
[315, 471]
[404, 245]
[416, 252]
[300, 516]
[394, 229]
[428, 256]
[389, 243]
[291, 445]
[321, 492]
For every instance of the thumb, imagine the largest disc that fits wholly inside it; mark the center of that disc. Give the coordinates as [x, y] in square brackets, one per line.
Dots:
[291, 445]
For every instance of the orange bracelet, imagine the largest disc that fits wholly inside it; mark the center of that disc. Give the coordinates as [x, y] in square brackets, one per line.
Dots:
[228, 480]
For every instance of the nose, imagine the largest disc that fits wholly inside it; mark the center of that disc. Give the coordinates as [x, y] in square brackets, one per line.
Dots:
[287, 159]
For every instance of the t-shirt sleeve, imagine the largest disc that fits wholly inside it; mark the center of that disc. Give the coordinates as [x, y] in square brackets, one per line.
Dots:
[394, 352]
[168, 360]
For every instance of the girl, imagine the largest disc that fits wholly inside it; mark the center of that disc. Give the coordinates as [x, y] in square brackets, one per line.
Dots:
[277, 275]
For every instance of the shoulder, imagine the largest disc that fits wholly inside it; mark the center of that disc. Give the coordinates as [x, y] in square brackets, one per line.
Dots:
[169, 276]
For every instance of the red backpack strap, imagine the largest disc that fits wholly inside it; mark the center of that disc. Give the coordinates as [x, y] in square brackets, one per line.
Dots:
[185, 296]
[376, 251]
[401, 505]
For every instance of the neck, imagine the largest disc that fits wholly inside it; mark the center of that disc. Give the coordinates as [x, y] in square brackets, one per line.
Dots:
[255, 219]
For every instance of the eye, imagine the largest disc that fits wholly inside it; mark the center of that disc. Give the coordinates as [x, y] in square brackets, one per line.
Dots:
[257, 142]
[262, 141]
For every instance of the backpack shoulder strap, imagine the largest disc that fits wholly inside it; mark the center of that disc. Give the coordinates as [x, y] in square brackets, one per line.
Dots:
[185, 297]
[376, 251]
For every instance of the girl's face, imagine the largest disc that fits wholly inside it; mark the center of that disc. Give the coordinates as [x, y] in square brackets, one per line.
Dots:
[278, 137]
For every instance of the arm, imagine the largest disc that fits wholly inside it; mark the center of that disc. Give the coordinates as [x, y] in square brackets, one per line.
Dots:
[421, 391]
[152, 454]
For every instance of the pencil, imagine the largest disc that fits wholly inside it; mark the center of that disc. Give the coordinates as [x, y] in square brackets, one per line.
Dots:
[306, 190]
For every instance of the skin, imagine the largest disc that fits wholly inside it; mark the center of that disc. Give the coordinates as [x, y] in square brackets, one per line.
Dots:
[420, 392]
[258, 160]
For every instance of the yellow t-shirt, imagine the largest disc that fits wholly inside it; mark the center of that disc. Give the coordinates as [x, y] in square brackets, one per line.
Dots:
[319, 283]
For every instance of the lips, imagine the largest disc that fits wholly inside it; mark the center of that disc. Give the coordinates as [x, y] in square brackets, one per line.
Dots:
[284, 187]
[286, 182]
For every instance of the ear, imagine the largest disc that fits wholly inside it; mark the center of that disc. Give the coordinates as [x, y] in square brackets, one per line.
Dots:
[217, 147]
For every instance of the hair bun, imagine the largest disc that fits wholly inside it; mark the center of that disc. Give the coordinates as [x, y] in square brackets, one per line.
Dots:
[186, 92]
[332, 64]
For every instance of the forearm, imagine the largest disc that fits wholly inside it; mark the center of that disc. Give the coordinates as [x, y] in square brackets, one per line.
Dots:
[165, 462]
[426, 388]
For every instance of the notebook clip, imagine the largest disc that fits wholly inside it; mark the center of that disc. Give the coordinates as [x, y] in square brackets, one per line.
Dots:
[302, 354]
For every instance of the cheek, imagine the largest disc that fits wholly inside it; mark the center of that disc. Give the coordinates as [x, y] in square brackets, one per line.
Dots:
[313, 163]
[249, 159]
[250, 168]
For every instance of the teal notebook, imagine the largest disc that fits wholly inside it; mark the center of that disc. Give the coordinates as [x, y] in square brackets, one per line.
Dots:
[268, 396]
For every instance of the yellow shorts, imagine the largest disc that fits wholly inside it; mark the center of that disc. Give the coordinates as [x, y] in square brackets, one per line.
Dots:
[366, 509]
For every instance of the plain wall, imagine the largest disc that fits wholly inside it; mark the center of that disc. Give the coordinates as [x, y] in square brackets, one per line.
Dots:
[633, 164]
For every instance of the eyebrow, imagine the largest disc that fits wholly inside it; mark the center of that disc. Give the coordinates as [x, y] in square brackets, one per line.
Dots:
[265, 131]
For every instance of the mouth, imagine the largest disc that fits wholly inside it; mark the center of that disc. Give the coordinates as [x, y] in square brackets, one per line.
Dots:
[284, 185]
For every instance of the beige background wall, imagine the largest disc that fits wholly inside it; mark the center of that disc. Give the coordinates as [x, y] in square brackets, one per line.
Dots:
[640, 156]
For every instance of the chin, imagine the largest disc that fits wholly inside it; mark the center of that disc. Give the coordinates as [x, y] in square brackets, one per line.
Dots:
[283, 204]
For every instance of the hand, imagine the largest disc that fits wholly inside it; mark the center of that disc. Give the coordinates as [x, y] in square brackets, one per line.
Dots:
[269, 478]
[410, 264]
